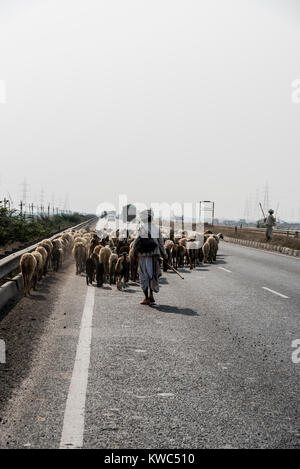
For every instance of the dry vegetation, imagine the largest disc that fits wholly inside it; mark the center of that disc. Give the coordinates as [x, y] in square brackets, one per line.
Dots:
[246, 233]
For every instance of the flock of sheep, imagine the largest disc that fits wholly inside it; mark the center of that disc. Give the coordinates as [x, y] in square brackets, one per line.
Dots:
[108, 258]
[49, 253]
[192, 250]
[105, 257]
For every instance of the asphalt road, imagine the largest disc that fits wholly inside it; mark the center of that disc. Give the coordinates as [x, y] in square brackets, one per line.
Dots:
[210, 366]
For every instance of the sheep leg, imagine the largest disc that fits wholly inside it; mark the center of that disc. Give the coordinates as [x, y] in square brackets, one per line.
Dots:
[24, 285]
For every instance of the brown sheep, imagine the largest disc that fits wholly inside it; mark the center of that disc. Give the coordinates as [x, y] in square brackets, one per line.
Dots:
[94, 269]
[38, 273]
[134, 257]
[191, 251]
[97, 249]
[67, 237]
[213, 245]
[44, 254]
[28, 266]
[47, 244]
[64, 245]
[80, 255]
[80, 239]
[90, 268]
[99, 274]
[122, 243]
[174, 250]
[183, 242]
[104, 256]
[199, 252]
[95, 241]
[216, 248]
[205, 251]
[168, 245]
[124, 249]
[57, 254]
[122, 270]
[112, 268]
[181, 252]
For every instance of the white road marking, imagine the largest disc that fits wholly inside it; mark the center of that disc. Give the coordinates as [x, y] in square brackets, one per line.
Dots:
[226, 270]
[275, 292]
[73, 426]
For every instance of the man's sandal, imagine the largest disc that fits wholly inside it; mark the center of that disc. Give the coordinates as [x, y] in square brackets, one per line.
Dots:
[145, 302]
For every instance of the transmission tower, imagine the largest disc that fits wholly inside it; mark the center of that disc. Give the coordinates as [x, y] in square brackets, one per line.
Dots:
[266, 203]
[25, 186]
[66, 203]
[42, 195]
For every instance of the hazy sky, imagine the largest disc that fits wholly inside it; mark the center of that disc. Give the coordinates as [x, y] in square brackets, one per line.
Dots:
[162, 100]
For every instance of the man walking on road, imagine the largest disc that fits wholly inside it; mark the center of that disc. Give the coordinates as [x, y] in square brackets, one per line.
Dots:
[270, 222]
[150, 245]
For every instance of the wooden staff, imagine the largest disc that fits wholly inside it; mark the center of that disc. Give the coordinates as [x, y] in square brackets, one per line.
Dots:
[172, 268]
[262, 211]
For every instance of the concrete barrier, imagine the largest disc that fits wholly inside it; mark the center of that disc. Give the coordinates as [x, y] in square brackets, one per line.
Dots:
[265, 246]
[10, 289]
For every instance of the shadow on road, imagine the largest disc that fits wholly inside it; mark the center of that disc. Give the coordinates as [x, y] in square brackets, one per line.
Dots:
[175, 310]
[130, 290]
[163, 281]
[36, 296]
[24, 318]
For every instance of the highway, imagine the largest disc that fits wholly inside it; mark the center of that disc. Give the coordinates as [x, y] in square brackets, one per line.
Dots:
[209, 366]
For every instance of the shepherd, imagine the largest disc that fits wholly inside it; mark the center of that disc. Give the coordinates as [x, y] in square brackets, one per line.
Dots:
[150, 245]
[270, 222]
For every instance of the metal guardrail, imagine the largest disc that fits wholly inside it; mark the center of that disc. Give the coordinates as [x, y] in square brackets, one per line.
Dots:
[292, 233]
[12, 262]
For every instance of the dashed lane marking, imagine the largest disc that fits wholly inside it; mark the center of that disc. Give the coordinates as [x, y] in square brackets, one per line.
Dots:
[275, 292]
[225, 270]
[73, 425]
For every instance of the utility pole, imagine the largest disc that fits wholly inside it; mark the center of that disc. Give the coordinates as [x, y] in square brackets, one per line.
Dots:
[25, 186]
[6, 202]
[11, 203]
[66, 203]
[42, 194]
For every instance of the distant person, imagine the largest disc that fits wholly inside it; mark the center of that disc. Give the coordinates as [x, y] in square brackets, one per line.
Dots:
[270, 223]
[150, 245]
